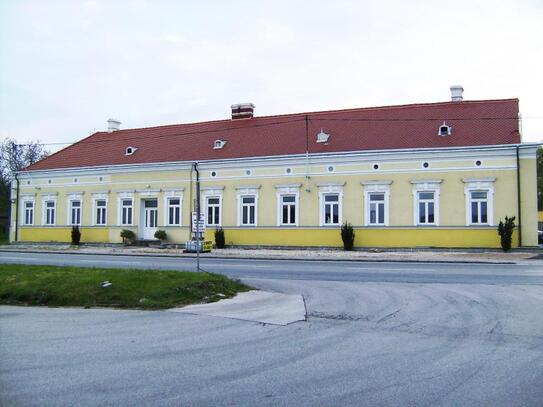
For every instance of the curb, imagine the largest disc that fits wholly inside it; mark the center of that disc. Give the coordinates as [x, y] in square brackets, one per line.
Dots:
[191, 256]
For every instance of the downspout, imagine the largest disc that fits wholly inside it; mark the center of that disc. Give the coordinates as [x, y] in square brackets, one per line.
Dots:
[16, 210]
[518, 200]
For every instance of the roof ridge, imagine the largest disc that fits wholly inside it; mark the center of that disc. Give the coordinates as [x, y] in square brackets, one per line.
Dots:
[316, 112]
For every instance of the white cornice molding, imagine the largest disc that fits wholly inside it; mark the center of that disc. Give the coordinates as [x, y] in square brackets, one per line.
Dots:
[426, 181]
[357, 156]
[376, 182]
[281, 186]
[248, 187]
[474, 180]
[213, 188]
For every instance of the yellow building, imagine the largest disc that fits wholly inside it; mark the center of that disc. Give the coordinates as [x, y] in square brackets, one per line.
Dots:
[424, 175]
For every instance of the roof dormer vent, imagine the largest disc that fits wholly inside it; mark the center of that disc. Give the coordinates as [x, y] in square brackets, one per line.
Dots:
[456, 93]
[243, 110]
[219, 144]
[322, 137]
[444, 130]
[130, 150]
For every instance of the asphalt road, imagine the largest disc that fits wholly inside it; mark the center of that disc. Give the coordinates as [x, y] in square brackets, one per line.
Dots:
[378, 334]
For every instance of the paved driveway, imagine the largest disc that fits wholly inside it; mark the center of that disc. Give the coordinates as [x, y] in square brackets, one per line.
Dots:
[455, 335]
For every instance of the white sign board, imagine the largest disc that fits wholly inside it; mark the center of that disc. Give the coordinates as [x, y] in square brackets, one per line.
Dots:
[199, 226]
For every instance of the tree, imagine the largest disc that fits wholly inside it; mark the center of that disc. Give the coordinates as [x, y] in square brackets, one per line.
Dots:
[505, 230]
[14, 157]
[540, 179]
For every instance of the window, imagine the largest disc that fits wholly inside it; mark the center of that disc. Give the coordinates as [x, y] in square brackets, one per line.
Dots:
[331, 209]
[28, 212]
[130, 150]
[444, 130]
[100, 212]
[50, 208]
[174, 211]
[126, 211]
[213, 211]
[288, 210]
[426, 208]
[248, 210]
[75, 213]
[479, 207]
[218, 144]
[376, 208]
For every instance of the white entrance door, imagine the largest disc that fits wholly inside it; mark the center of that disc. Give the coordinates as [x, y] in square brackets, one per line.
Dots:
[150, 218]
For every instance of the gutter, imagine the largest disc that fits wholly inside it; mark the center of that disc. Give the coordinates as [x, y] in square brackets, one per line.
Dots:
[518, 200]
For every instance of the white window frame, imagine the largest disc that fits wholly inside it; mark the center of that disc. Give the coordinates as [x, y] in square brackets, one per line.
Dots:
[168, 206]
[376, 187]
[216, 207]
[176, 193]
[95, 199]
[44, 210]
[480, 185]
[24, 209]
[215, 192]
[288, 190]
[244, 192]
[123, 196]
[330, 189]
[71, 208]
[426, 185]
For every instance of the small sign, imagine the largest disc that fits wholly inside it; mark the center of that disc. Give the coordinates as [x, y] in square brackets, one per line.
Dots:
[199, 226]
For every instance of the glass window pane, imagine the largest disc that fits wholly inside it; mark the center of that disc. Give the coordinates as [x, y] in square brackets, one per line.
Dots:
[248, 200]
[381, 208]
[289, 198]
[213, 201]
[426, 195]
[474, 213]
[127, 202]
[327, 213]
[377, 197]
[484, 216]
[245, 217]
[285, 213]
[252, 217]
[478, 195]
[331, 198]
[336, 214]
[292, 214]
[422, 213]
[431, 212]
[174, 201]
[216, 216]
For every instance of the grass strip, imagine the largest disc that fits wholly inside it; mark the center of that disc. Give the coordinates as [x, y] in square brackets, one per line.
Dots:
[138, 289]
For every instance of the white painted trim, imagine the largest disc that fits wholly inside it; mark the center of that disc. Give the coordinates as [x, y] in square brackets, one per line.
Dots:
[48, 198]
[73, 198]
[288, 191]
[99, 197]
[483, 185]
[330, 189]
[24, 200]
[428, 185]
[172, 195]
[372, 187]
[357, 156]
[120, 211]
[247, 192]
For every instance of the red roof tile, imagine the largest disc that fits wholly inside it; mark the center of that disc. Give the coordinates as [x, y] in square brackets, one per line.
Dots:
[474, 123]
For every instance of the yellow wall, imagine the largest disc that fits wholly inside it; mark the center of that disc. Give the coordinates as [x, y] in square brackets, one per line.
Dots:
[452, 231]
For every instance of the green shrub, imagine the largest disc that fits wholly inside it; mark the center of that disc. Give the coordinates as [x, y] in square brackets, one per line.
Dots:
[76, 236]
[160, 235]
[128, 236]
[219, 238]
[347, 235]
[505, 230]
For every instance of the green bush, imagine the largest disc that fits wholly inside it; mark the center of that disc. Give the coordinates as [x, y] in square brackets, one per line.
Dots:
[219, 238]
[347, 235]
[76, 236]
[505, 230]
[160, 235]
[128, 236]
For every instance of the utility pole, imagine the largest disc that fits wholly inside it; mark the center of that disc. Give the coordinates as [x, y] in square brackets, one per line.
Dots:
[198, 240]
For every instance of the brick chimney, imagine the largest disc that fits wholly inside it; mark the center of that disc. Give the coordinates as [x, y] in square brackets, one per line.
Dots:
[242, 111]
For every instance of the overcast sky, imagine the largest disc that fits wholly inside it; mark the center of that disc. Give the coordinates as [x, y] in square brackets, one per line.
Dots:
[67, 66]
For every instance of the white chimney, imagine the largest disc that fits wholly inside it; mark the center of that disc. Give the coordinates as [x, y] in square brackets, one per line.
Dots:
[456, 93]
[243, 110]
[113, 125]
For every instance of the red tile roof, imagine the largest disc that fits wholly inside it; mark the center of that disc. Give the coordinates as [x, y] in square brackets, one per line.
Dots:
[486, 122]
